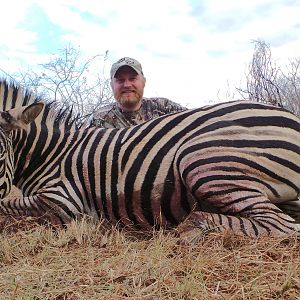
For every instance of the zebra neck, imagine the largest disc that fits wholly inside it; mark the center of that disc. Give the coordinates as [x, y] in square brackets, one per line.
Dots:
[36, 149]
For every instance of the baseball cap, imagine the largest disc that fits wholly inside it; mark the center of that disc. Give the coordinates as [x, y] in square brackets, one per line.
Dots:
[126, 61]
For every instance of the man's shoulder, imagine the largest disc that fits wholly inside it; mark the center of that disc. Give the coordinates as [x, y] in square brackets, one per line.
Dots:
[156, 100]
[163, 104]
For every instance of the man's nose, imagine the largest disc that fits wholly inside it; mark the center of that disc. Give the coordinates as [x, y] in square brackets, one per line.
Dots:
[127, 83]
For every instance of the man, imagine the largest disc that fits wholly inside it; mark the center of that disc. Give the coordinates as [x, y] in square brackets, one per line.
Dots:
[130, 108]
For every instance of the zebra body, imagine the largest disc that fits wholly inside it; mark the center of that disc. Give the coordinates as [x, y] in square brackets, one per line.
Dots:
[229, 166]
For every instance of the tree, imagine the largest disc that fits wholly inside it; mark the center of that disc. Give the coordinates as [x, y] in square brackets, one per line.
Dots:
[73, 82]
[268, 83]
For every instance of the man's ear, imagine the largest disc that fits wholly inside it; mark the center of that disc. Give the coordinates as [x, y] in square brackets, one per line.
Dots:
[20, 117]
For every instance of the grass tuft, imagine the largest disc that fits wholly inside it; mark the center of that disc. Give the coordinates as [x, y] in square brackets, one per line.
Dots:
[95, 261]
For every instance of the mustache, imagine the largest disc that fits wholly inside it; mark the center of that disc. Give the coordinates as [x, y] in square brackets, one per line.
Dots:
[128, 90]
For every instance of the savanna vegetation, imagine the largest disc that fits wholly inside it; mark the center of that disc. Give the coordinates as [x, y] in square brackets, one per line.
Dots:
[96, 261]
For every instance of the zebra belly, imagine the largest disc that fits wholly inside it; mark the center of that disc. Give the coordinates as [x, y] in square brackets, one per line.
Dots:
[159, 203]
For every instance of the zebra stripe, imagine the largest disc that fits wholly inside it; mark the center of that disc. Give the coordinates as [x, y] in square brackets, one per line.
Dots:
[229, 166]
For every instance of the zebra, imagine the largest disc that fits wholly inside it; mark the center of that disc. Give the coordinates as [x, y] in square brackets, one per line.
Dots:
[229, 166]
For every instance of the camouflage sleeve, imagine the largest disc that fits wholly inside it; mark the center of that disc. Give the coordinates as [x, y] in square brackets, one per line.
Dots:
[99, 122]
[103, 117]
[167, 106]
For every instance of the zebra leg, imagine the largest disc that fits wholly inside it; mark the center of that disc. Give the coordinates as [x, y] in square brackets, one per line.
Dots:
[43, 206]
[242, 212]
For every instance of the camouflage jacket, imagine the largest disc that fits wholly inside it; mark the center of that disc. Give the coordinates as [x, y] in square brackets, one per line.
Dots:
[111, 116]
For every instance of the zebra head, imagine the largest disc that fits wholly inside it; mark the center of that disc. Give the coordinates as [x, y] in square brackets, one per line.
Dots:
[12, 119]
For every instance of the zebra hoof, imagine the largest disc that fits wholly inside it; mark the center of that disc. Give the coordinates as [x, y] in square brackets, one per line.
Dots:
[195, 228]
[190, 233]
[191, 237]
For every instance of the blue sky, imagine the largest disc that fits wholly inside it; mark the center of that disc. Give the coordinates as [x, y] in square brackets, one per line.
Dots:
[192, 52]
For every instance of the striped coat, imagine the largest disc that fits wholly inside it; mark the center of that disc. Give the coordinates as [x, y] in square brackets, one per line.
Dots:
[230, 166]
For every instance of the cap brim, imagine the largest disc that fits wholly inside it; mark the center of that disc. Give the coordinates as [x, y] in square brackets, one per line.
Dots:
[125, 65]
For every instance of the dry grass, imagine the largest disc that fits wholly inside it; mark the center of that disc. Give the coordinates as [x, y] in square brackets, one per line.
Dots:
[91, 261]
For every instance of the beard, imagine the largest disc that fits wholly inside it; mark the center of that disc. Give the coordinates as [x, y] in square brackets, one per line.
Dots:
[129, 101]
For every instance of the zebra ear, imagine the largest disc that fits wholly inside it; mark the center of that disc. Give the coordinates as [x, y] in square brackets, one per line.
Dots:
[31, 112]
[20, 117]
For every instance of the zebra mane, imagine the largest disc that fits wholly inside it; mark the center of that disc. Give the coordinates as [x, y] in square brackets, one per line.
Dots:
[13, 95]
